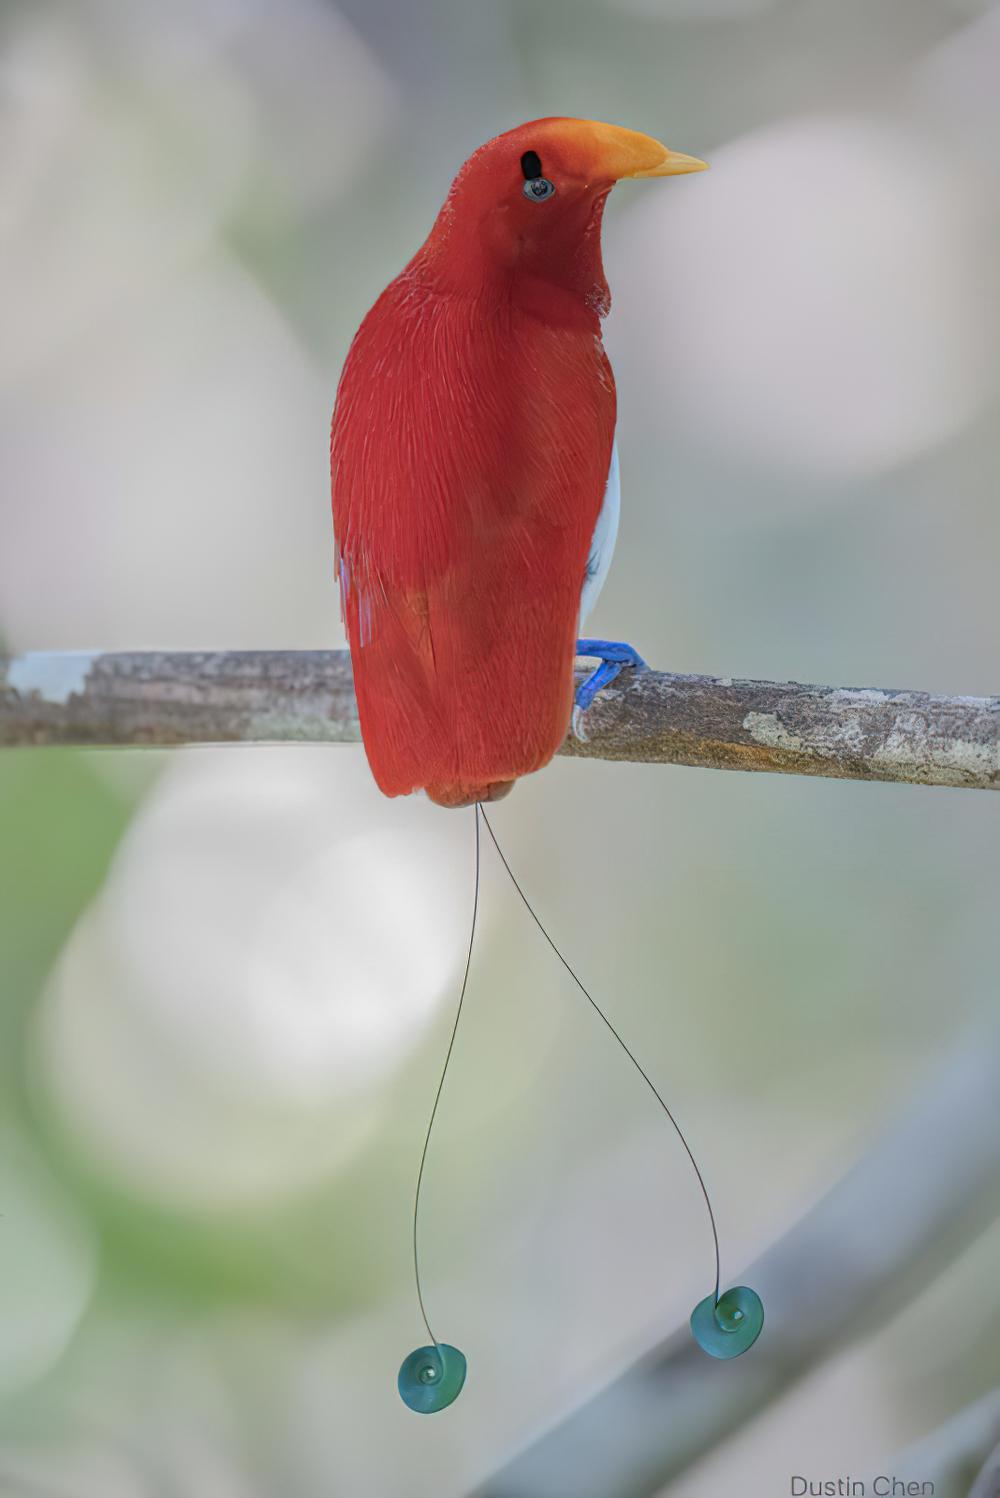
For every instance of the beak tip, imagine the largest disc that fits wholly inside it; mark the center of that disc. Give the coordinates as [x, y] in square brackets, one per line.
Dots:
[673, 164]
[676, 164]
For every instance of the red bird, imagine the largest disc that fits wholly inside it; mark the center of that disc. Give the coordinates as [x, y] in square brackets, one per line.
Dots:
[475, 490]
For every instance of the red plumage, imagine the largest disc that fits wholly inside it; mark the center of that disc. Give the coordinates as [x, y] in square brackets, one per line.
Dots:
[470, 449]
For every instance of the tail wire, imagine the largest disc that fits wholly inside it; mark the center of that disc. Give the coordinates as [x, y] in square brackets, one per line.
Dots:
[440, 1088]
[480, 814]
[643, 1074]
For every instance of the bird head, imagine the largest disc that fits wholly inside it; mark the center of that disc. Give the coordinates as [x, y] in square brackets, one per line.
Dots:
[530, 201]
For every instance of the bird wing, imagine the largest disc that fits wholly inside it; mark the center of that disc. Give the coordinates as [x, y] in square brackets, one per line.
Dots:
[602, 545]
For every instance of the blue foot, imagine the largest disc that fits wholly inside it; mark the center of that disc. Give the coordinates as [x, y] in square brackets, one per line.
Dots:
[613, 655]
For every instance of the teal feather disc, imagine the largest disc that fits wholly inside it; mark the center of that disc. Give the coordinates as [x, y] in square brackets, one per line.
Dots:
[729, 1327]
[431, 1378]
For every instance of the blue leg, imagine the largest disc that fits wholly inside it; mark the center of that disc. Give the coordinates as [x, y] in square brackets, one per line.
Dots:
[613, 656]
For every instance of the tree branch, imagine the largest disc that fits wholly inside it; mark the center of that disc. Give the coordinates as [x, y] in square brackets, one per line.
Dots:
[264, 696]
[952, 1456]
[987, 1484]
[864, 1252]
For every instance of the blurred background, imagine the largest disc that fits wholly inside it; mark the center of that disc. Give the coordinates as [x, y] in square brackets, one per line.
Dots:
[227, 977]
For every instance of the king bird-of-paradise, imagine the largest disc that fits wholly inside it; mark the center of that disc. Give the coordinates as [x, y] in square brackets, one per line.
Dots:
[475, 505]
[475, 481]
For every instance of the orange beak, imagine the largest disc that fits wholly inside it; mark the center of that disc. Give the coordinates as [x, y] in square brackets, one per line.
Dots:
[626, 153]
[672, 164]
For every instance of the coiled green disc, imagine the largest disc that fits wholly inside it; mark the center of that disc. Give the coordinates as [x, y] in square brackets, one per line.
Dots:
[729, 1328]
[431, 1378]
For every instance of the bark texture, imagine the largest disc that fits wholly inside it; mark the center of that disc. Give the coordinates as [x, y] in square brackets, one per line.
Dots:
[265, 696]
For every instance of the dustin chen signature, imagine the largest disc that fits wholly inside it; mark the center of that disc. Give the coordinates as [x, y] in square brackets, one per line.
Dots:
[855, 1487]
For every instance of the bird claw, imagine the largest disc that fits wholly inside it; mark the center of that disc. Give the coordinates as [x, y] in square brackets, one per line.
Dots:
[613, 656]
[578, 728]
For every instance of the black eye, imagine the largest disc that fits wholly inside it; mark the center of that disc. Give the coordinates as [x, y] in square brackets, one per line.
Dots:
[538, 189]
